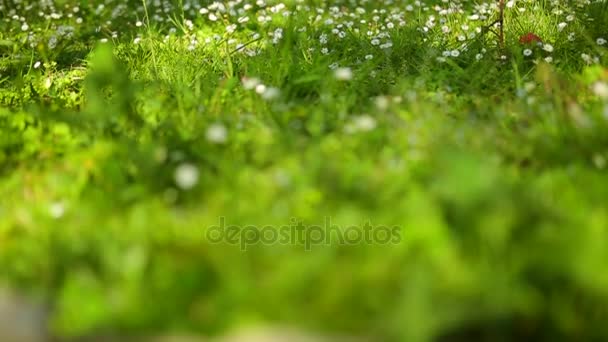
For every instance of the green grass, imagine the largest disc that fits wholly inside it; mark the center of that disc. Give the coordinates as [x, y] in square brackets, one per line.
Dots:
[122, 142]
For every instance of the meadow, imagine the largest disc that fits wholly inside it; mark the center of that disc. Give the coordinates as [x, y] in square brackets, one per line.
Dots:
[167, 166]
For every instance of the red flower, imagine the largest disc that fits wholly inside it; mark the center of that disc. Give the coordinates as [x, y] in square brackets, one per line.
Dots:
[529, 38]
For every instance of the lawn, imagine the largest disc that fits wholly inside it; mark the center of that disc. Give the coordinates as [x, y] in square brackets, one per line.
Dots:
[392, 170]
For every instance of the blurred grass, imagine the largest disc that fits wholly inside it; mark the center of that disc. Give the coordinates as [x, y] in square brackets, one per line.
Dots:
[494, 170]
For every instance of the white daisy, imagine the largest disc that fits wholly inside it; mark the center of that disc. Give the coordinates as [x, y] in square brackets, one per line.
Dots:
[343, 74]
[186, 176]
[216, 133]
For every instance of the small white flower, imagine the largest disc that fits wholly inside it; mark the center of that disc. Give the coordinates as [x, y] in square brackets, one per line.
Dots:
[454, 53]
[368, 57]
[37, 65]
[561, 26]
[600, 41]
[343, 74]
[527, 52]
[52, 42]
[57, 209]
[586, 58]
[260, 89]
[478, 56]
[271, 93]
[548, 47]
[217, 133]
[364, 123]
[189, 24]
[231, 28]
[323, 39]
[600, 89]
[382, 103]
[186, 176]
[250, 83]
[549, 59]
[137, 40]
[599, 161]
[25, 27]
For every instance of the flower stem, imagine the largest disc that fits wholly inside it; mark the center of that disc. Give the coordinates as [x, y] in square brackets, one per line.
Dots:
[501, 21]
